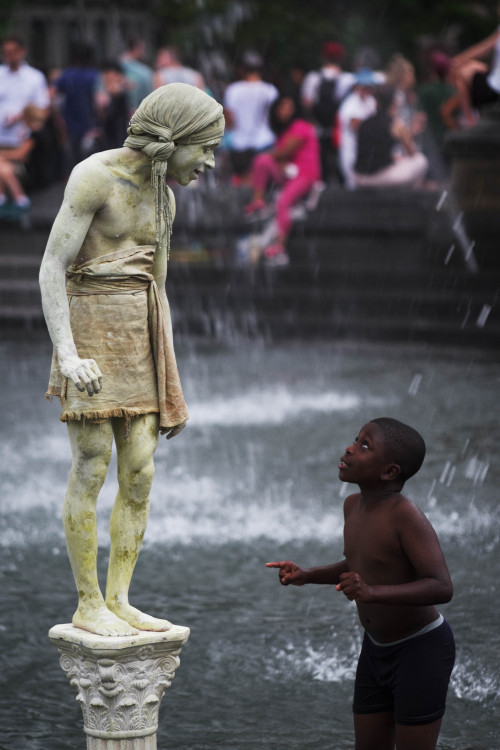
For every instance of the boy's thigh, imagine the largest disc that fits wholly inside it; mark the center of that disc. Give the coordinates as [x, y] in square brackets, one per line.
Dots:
[378, 732]
[421, 737]
[374, 731]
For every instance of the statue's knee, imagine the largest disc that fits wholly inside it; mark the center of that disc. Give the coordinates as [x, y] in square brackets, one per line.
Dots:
[136, 480]
[90, 471]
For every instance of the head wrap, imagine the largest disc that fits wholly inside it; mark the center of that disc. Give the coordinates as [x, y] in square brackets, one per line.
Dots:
[172, 115]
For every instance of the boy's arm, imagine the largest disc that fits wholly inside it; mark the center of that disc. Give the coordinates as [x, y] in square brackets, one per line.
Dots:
[290, 573]
[419, 542]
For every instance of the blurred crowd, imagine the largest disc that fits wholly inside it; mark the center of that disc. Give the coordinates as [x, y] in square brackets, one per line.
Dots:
[361, 126]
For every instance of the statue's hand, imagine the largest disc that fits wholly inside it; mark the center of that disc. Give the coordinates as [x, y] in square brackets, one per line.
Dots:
[84, 373]
[171, 432]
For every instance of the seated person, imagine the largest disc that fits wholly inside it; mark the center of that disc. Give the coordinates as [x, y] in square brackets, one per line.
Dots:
[13, 159]
[293, 164]
[377, 163]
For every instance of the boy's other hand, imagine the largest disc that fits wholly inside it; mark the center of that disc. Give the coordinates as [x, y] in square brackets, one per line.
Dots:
[352, 585]
[289, 573]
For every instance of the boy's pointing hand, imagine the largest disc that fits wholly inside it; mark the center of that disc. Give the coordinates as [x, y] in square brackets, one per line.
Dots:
[352, 585]
[289, 573]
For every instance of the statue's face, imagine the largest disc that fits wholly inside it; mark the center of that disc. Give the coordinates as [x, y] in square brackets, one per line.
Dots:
[187, 162]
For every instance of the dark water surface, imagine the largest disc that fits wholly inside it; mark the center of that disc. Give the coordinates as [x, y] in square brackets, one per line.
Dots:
[254, 478]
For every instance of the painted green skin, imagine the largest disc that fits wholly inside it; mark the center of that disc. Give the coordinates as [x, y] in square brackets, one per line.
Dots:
[108, 205]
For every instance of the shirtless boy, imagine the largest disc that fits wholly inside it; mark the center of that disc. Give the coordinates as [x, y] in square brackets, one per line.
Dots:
[396, 573]
[103, 293]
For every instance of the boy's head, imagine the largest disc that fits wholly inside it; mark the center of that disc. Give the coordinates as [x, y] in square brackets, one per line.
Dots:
[403, 445]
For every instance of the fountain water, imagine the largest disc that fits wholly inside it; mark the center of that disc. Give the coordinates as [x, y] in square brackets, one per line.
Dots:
[254, 478]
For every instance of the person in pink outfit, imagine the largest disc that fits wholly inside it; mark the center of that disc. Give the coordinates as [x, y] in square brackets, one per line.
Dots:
[293, 164]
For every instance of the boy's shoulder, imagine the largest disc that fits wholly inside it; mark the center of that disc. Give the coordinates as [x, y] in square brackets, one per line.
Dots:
[396, 504]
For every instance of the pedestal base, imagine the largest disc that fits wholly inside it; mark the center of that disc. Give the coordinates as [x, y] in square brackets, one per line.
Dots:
[120, 682]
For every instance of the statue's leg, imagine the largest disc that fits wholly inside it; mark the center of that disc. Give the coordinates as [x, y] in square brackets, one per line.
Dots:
[130, 514]
[91, 450]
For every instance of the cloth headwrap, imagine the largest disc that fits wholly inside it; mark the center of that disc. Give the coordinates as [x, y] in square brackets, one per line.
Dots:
[174, 114]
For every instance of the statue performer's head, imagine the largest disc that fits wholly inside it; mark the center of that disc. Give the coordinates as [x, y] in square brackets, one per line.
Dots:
[170, 118]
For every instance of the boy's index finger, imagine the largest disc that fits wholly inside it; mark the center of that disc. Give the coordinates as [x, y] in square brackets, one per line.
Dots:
[274, 564]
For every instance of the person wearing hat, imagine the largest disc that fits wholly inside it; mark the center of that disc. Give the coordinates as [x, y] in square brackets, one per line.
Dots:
[321, 94]
[357, 107]
[103, 292]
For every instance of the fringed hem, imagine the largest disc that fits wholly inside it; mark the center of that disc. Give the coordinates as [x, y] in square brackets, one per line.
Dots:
[101, 415]
[53, 394]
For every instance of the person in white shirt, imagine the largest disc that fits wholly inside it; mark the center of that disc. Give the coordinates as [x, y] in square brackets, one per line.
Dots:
[333, 83]
[20, 85]
[357, 107]
[246, 108]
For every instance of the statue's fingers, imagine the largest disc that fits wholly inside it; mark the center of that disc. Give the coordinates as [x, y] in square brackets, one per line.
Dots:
[91, 376]
[79, 384]
[95, 368]
[82, 381]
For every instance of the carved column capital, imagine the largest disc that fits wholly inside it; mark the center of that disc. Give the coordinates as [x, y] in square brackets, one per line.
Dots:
[119, 681]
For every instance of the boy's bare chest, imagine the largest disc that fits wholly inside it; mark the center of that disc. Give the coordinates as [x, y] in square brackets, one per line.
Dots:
[371, 544]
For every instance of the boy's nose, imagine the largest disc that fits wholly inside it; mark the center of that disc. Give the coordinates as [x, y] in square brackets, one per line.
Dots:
[210, 162]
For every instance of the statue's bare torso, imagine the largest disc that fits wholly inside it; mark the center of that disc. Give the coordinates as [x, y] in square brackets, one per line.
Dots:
[115, 187]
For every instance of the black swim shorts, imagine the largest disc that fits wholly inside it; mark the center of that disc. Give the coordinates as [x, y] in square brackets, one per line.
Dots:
[409, 679]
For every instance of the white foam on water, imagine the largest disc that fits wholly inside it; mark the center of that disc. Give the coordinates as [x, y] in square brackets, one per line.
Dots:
[474, 682]
[325, 664]
[202, 508]
[463, 524]
[268, 406]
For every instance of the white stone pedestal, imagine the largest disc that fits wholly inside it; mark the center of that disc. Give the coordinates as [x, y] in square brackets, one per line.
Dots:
[120, 682]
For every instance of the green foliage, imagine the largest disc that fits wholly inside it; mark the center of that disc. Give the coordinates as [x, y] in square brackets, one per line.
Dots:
[289, 32]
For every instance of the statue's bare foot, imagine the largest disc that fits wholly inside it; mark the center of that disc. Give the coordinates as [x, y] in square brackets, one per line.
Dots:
[101, 621]
[136, 618]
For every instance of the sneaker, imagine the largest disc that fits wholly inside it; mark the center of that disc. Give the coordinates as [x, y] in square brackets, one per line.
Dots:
[275, 255]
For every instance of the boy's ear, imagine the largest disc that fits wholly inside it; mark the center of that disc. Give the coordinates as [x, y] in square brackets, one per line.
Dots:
[390, 472]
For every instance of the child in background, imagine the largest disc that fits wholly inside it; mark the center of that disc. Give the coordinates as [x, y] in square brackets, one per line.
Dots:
[396, 573]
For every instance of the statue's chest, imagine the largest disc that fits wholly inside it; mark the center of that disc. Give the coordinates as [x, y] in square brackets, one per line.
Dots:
[130, 212]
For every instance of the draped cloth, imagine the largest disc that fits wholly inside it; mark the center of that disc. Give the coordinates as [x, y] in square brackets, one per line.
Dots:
[118, 318]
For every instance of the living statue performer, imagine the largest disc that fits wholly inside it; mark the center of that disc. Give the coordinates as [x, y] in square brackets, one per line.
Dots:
[114, 369]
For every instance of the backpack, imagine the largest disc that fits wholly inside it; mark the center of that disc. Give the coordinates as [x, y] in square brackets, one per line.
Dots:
[326, 104]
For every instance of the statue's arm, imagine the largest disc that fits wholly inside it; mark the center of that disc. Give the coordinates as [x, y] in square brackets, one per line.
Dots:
[85, 193]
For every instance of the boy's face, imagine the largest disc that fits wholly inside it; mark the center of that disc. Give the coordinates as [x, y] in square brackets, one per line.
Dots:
[364, 462]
